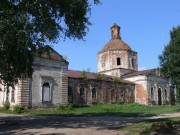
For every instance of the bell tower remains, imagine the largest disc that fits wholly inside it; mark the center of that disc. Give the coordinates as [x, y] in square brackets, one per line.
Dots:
[117, 58]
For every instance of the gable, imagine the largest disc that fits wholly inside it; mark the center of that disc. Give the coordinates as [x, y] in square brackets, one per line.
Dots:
[49, 53]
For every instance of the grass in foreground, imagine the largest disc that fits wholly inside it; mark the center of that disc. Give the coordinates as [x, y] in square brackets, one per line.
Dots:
[126, 110]
[144, 127]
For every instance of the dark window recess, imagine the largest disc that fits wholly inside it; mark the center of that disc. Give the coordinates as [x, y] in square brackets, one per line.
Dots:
[132, 61]
[152, 93]
[94, 94]
[118, 61]
[165, 94]
[70, 94]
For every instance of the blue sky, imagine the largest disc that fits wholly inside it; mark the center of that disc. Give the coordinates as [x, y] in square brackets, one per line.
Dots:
[145, 27]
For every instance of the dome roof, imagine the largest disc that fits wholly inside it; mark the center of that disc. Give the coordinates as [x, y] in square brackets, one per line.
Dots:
[116, 44]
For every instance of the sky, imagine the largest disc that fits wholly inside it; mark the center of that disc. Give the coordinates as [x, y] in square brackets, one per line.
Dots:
[145, 27]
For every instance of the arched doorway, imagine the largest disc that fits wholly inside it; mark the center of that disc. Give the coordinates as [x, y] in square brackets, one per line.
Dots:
[46, 95]
[159, 97]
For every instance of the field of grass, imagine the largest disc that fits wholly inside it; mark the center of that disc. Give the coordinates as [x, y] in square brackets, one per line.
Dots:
[144, 127]
[125, 110]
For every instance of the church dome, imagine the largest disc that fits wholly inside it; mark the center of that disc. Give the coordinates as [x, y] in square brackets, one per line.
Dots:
[116, 43]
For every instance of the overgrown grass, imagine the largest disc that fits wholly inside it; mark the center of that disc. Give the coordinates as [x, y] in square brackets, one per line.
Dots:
[144, 127]
[126, 110]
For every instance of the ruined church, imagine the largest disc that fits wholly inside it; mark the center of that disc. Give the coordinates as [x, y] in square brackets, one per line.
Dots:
[117, 80]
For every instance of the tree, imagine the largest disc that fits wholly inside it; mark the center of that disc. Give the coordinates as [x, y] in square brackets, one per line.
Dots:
[27, 25]
[170, 60]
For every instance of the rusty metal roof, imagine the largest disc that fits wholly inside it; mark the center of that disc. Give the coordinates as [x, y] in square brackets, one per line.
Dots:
[91, 75]
[116, 44]
[77, 74]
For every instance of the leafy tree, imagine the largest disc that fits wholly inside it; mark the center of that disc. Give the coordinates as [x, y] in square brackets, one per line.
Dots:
[170, 60]
[27, 25]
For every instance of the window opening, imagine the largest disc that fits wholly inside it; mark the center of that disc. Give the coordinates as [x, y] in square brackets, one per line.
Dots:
[118, 61]
[94, 94]
[165, 94]
[152, 94]
[82, 95]
[113, 96]
[46, 92]
[70, 95]
[13, 95]
[132, 61]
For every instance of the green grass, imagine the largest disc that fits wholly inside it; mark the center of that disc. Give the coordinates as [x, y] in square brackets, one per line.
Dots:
[6, 111]
[126, 110]
[144, 127]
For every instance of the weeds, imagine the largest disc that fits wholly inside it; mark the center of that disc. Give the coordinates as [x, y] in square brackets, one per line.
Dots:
[18, 109]
[65, 107]
[6, 105]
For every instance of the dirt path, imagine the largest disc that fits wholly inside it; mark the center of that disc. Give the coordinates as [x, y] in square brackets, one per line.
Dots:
[57, 125]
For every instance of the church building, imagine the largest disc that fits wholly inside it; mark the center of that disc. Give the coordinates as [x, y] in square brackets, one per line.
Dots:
[117, 80]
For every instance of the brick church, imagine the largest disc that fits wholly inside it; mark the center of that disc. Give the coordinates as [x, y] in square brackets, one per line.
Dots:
[117, 80]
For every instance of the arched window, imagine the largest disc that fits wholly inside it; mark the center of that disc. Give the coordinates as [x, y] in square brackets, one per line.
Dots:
[82, 95]
[113, 96]
[70, 94]
[132, 62]
[159, 97]
[94, 95]
[103, 62]
[152, 94]
[118, 61]
[46, 95]
[165, 94]
[121, 95]
[13, 95]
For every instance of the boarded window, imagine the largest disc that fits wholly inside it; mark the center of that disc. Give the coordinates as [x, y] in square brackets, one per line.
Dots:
[118, 61]
[46, 92]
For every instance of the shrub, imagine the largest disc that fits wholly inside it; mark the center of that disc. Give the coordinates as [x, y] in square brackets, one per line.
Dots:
[18, 109]
[99, 76]
[6, 105]
[117, 79]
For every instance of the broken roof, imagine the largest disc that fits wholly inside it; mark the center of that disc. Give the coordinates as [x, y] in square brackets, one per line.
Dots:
[92, 76]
